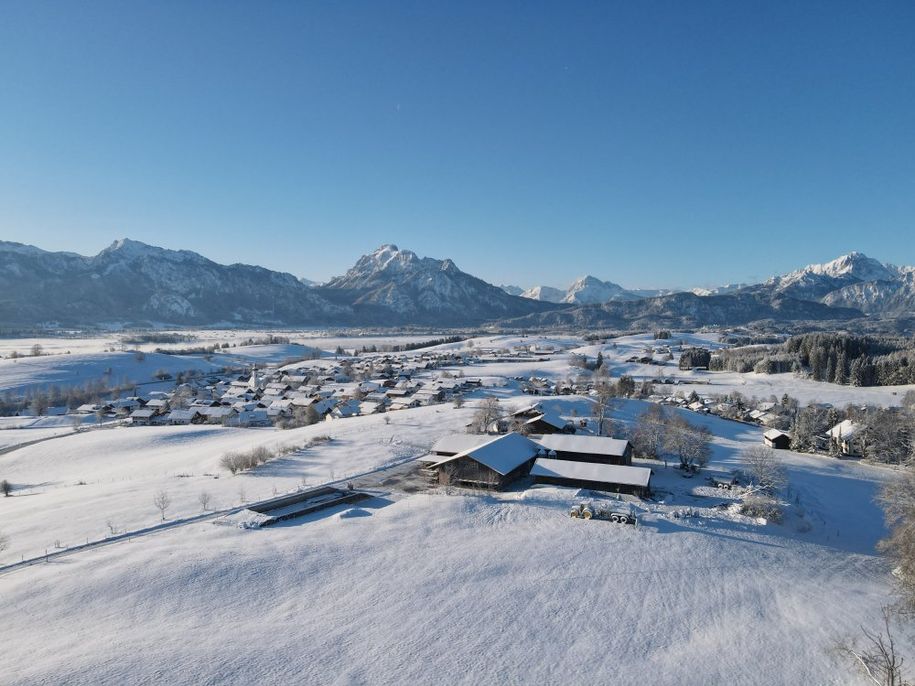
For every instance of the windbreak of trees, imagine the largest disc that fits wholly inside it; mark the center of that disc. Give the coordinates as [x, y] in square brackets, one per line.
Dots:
[832, 357]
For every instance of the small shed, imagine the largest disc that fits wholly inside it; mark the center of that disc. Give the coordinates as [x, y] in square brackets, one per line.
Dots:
[598, 477]
[779, 440]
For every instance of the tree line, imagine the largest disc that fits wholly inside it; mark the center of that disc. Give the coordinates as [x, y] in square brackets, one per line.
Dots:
[839, 358]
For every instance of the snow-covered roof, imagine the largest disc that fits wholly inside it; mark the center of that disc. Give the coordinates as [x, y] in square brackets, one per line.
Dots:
[845, 429]
[551, 418]
[182, 415]
[594, 445]
[144, 413]
[502, 454]
[455, 443]
[772, 434]
[592, 471]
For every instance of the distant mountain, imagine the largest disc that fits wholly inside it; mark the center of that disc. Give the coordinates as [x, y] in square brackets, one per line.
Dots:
[131, 282]
[853, 280]
[686, 310]
[718, 290]
[589, 290]
[393, 286]
[544, 294]
[512, 290]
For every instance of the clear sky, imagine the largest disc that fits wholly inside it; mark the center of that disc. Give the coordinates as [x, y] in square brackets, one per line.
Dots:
[655, 144]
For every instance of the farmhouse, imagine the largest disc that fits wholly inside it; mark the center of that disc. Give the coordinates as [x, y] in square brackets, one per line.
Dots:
[144, 416]
[598, 477]
[845, 437]
[779, 440]
[189, 416]
[495, 463]
[597, 449]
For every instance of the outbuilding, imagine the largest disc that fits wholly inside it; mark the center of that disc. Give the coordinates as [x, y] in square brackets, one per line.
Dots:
[779, 440]
[598, 449]
[593, 476]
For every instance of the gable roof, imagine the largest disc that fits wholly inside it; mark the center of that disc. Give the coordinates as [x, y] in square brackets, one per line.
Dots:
[593, 445]
[772, 434]
[845, 430]
[549, 417]
[592, 471]
[455, 443]
[501, 454]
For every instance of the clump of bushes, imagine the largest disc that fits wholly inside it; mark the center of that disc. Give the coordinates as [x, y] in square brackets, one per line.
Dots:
[243, 461]
[762, 506]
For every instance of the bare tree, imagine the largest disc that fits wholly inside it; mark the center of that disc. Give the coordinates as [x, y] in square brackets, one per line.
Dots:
[764, 469]
[37, 350]
[488, 413]
[204, 500]
[6, 488]
[877, 659]
[690, 444]
[162, 501]
[112, 528]
[648, 436]
[603, 405]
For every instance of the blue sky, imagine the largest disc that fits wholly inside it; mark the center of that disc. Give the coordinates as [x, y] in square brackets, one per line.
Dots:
[649, 143]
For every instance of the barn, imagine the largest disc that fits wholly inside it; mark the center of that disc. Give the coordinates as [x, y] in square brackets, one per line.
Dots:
[494, 464]
[779, 440]
[592, 475]
[598, 449]
[452, 444]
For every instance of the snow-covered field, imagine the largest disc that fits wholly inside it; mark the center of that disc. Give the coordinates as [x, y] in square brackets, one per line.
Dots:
[429, 586]
[78, 369]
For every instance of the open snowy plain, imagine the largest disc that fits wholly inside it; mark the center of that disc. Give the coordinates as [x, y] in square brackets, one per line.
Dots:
[431, 585]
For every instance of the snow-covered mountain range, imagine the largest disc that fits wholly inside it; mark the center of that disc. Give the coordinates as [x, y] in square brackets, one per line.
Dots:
[853, 280]
[133, 283]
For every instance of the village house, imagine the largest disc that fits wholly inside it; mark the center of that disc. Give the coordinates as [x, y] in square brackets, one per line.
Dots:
[845, 437]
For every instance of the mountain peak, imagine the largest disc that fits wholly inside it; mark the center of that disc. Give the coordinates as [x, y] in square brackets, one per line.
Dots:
[855, 266]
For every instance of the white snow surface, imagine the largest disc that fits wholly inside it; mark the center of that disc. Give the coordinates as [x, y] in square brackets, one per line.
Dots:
[429, 587]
